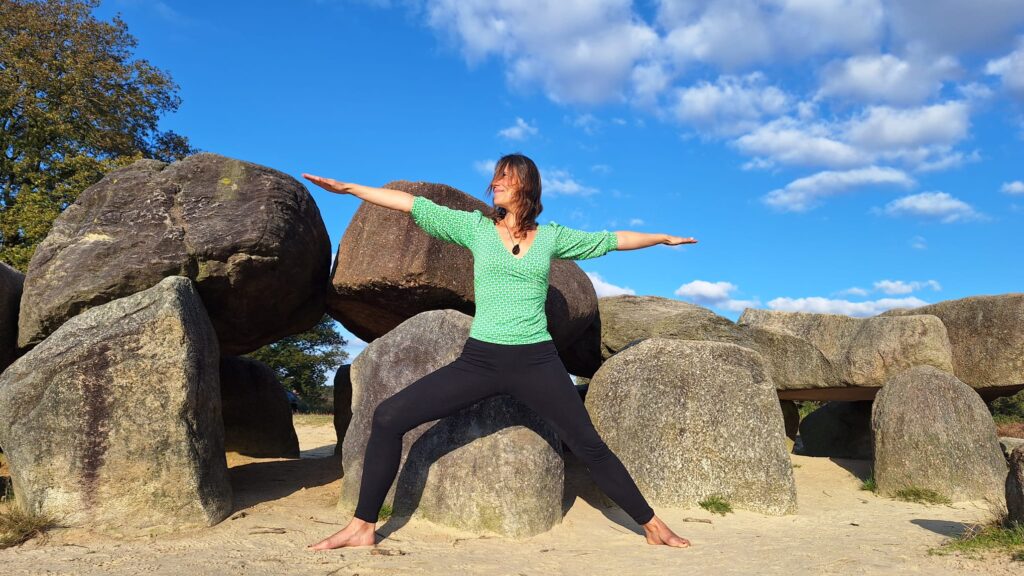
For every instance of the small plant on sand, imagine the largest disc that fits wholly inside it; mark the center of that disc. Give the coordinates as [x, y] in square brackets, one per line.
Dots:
[998, 535]
[385, 512]
[920, 495]
[716, 505]
[17, 526]
[869, 484]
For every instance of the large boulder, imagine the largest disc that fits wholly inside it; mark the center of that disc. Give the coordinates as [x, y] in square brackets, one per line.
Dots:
[387, 270]
[792, 362]
[1015, 487]
[714, 413]
[493, 466]
[257, 414]
[930, 430]
[864, 351]
[11, 282]
[987, 337]
[114, 421]
[250, 237]
[838, 430]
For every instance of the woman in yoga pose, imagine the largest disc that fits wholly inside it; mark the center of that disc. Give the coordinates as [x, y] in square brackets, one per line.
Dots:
[509, 350]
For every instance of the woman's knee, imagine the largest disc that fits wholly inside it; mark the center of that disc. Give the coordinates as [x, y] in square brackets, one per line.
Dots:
[590, 448]
[387, 417]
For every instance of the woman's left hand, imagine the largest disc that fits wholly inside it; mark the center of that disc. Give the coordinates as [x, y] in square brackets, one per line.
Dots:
[676, 240]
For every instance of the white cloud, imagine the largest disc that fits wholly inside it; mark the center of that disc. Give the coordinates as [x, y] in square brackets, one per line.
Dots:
[901, 287]
[919, 243]
[636, 222]
[554, 181]
[884, 128]
[576, 51]
[1015, 187]
[734, 34]
[789, 141]
[946, 26]
[1010, 68]
[731, 105]
[938, 205]
[804, 193]
[603, 169]
[518, 131]
[587, 122]
[485, 167]
[886, 78]
[604, 288]
[821, 305]
[854, 291]
[716, 294]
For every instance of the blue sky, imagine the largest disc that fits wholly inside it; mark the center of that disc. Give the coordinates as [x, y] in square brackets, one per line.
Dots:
[840, 156]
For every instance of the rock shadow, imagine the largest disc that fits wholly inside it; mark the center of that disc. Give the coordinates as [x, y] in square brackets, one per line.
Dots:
[947, 528]
[256, 482]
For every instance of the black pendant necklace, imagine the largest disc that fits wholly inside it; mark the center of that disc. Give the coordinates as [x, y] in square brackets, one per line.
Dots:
[515, 249]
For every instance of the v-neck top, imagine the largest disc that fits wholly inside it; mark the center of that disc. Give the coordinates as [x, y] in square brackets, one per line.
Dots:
[510, 291]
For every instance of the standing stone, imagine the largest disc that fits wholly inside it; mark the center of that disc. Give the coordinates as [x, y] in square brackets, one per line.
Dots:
[257, 414]
[493, 466]
[790, 417]
[714, 413]
[11, 282]
[838, 430]
[1015, 487]
[249, 236]
[932, 431]
[114, 421]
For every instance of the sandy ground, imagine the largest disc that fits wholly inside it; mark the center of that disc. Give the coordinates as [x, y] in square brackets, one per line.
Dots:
[282, 505]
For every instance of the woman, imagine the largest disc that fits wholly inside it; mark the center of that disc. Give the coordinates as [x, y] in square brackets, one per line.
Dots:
[509, 350]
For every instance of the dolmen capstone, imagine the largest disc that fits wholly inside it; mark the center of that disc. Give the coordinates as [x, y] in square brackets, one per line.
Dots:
[692, 419]
[114, 421]
[864, 351]
[932, 431]
[250, 237]
[494, 466]
[792, 362]
[986, 334]
[11, 282]
[257, 414]
[387, 270]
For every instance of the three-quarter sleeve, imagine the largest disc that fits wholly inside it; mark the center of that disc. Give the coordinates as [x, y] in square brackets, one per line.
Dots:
[444, 223]
[572, 244]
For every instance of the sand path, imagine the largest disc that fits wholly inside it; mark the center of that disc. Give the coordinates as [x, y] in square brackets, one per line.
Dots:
[282, 505]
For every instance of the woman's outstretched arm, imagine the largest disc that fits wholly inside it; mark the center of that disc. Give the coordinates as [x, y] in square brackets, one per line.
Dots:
[629, 240]
[386, 197]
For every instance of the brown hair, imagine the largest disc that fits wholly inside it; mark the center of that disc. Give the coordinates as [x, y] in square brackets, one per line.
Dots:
[528, 195]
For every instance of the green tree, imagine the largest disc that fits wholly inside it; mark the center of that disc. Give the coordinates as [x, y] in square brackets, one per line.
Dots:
[302, 361]
[74, 104]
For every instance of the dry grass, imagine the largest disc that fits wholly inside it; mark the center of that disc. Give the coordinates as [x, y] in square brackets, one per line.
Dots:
[18, 526]
[997, 535]
[1010, 429]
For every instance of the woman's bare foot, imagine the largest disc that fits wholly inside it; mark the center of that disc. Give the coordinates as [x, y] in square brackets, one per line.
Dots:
[357, 533]
[659, 533]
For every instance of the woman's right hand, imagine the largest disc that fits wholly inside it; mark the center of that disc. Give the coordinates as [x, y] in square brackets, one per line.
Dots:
[328, 184]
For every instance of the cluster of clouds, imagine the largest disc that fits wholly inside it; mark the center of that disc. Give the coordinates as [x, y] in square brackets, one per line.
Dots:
[896, 294]
[722, 296]
[865, 92]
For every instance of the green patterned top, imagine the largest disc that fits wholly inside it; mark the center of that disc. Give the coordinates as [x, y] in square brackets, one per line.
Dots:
[510, 291]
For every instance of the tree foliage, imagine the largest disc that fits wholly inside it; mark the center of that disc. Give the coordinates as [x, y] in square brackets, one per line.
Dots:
[74, 104]
[302, 361]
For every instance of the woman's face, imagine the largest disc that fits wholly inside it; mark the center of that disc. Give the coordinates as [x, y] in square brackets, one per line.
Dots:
[506, 188]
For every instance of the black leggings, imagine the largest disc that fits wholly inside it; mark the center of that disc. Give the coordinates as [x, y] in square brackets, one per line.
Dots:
[531, 373]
